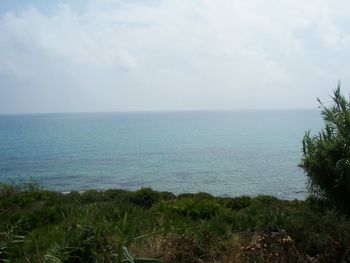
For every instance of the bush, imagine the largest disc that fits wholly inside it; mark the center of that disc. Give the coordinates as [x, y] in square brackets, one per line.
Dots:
[82, 244]
[238, 202]
[323, 235]
[191, 248]
[145, 197]
[91, 196]
[199, 195]
[275, 247]
[326, 156]
[193, 208]
[114, 194]
[167, 196]
[245, 221]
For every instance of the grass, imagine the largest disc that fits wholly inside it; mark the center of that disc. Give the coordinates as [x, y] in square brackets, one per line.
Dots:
[37, 225]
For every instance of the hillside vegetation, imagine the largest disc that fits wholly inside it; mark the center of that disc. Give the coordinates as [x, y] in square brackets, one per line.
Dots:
[119, 226]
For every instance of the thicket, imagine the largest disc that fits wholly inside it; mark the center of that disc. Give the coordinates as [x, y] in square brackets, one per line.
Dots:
[119, 226]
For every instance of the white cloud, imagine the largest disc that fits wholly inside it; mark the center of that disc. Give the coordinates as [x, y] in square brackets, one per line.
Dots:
[154, 55]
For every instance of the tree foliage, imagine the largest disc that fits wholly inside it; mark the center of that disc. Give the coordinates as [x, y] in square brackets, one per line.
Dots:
[326, 156]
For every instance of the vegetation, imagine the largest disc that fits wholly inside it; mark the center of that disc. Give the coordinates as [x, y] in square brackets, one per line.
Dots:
[326, 156]
[148, 226]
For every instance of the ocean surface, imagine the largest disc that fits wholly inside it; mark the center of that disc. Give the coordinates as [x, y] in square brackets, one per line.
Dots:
[226, 153]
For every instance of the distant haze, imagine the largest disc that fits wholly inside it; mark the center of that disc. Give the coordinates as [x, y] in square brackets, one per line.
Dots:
[136, 55]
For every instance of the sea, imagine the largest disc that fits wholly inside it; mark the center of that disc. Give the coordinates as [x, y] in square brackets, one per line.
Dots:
[224, 153]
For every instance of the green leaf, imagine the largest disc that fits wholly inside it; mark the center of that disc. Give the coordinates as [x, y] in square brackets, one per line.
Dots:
[128, 255]
[147, 260]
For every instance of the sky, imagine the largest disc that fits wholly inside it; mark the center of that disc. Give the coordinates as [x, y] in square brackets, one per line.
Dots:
[154, 55]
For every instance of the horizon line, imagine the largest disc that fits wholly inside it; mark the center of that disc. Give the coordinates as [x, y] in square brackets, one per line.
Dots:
[157, 111]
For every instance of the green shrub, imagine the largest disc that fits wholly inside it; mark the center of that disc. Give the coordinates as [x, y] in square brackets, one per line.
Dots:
[243, 221]
[145, 197]
[35, 217]
[72, 197]
[82, 243]
[91, 196]
[266, 200]
[114, 194]
[260, 217]
[8, 191]
[42, 226]
[318, 204]
[238, 202]
[191, 207]
[319, 232]
[326, 156]
[276, 220]
[167, 196]
[199, 195]
[186, 195]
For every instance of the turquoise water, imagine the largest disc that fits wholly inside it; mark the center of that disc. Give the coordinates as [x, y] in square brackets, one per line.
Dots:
[224, 152]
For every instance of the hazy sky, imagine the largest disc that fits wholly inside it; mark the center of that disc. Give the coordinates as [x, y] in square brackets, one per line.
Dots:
[67, 56]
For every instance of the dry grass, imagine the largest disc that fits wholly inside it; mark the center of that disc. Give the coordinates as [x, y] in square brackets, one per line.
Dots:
[151, 247]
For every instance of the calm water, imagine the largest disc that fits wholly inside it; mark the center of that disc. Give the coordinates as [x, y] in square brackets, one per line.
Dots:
[223, 153]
